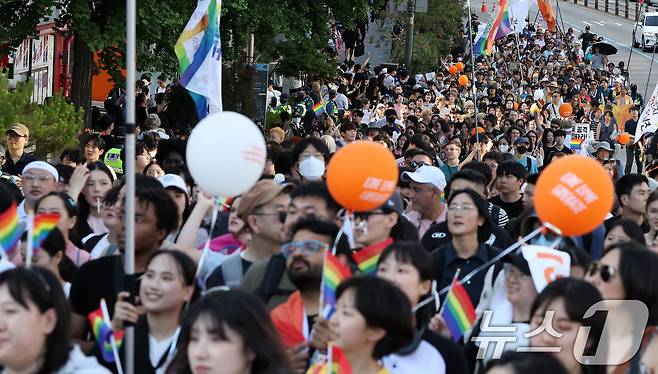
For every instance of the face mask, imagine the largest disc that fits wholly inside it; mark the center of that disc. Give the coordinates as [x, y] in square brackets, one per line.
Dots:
[503, 148]
[522, 149]
[391, 119]
[312, 168]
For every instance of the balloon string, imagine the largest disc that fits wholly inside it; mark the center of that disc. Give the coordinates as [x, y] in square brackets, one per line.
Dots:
[206, 247]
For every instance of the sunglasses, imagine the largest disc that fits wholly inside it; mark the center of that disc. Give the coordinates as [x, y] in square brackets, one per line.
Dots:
[305, 248]
[606, 272]
[417, 164]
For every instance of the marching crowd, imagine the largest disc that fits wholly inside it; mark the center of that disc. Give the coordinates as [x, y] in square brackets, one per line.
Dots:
[250, 302]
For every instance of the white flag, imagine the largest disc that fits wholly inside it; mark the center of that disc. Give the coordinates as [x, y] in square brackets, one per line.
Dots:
[519, 12]
[649, 117]
[199, 52]
[546, 264]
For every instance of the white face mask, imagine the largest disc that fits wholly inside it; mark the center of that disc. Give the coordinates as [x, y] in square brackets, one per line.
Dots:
[503, 148]
[312, 168]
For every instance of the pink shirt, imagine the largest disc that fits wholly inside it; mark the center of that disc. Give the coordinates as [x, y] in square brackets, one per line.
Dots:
[424, 224]
[76, 255]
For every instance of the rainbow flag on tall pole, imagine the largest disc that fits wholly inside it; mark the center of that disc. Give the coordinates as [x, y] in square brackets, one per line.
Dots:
[503, 20]
[199, 53]
[457, 310]
[498, 28]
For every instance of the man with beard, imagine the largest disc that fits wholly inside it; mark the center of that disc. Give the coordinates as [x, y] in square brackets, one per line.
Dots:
[304, 256]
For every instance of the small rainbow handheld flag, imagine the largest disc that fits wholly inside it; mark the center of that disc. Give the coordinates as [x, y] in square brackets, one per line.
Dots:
[458, 312]
[333, 273]
[318, 108]
[9, 230]
[576, 144]
[43, 224]
[367, 258]
[336, 360]
[103, 333]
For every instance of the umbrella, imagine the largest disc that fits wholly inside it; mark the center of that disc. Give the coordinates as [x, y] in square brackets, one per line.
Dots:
[605, 48]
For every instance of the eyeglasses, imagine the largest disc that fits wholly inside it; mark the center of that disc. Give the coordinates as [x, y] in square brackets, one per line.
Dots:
[417, 164]
[282, 214]
[363, 216]
[606, 272]
[305, 248]
[466, 208]
[31, 178]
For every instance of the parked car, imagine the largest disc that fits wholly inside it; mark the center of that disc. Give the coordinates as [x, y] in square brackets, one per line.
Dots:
[645, 31]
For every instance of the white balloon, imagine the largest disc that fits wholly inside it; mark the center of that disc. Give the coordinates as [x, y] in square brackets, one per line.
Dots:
[226, 154]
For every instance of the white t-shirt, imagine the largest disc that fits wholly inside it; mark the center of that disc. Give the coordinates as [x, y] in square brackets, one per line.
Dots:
[157, 349]
[97, 225]
[425, 359]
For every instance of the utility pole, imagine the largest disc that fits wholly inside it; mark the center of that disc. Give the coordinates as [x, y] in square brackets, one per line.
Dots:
[409, 43]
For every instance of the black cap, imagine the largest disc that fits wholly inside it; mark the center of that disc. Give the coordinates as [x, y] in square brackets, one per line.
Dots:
[518, 261]
[394, 204]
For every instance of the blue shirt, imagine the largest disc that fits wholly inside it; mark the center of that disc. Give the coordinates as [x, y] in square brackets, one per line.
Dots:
[527, 160]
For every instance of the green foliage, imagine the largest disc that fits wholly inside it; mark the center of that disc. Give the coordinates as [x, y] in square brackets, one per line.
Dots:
[53, 125]
[435, 34]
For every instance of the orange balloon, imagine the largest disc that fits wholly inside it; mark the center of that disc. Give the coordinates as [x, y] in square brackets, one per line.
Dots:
[460, 66]
[516, 106]
[463, 80]
[362, 176]
[575, 194]
[565, 110]
[452, 70]
[624, 138]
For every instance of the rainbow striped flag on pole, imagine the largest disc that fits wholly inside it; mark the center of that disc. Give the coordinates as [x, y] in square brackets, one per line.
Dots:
[336, 363]
[366, 259]
[108, 340]
[503, 20]
[500, 27]
[199, 53]
[333, 273]
[457, 310]
[318, 108]
[9, 231]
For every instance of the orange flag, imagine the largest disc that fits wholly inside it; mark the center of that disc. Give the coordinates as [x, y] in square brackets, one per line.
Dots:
[622, 114]
[547, 12]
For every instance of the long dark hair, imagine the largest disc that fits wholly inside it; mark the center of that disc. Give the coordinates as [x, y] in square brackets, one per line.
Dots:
[184, 264]
[82, 228]
[55, 243]
[42, 289]
[246, 316]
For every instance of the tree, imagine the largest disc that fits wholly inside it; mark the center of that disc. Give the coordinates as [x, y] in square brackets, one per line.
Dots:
[431, 34]
[301, 28]
[53, 125]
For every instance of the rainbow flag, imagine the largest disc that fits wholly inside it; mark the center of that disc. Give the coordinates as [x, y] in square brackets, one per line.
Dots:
[333, 274]
[503, 19]
[199, 53]
[458, 312]
[366, 259]
[102, 333]
[43, 224]
[575, 144]
[9, 230]
[225, 204]
[318, 108]
[336, 360]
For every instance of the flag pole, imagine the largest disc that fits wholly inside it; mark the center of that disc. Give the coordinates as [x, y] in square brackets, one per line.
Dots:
[29, 251]
[473, 87]
[452, 284]
[646, 89]
[113, 342]
[129, 171]
[206, 247]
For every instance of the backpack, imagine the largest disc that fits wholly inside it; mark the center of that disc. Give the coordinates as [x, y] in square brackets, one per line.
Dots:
[269, 286]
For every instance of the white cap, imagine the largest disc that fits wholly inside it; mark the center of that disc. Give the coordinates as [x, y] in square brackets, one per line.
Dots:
[426, 174]
[173, 180]
[42, 165]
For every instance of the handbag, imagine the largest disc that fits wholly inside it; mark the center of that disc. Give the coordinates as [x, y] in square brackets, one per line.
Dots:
[359, 50]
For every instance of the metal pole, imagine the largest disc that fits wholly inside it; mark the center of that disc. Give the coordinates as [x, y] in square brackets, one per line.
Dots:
[475, 103]
[129, 171]
[650, 66]
[409, 42]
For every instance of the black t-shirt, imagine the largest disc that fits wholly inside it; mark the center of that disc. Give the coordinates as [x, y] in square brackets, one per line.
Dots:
[438, 236]
[98, 279]
[611, 221]
[513, 209]
[17, 169]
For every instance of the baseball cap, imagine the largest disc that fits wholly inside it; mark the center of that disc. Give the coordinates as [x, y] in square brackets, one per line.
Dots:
[260, 194]
[426, 175]
[42, 165]
[522, 140]
[173, 180]
[394, 203]
[19, 129]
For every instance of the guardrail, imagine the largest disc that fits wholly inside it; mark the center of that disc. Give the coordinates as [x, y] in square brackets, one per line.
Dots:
[623, 8]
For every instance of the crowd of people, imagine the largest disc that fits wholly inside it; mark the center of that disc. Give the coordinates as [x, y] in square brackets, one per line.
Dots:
[239, 291]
